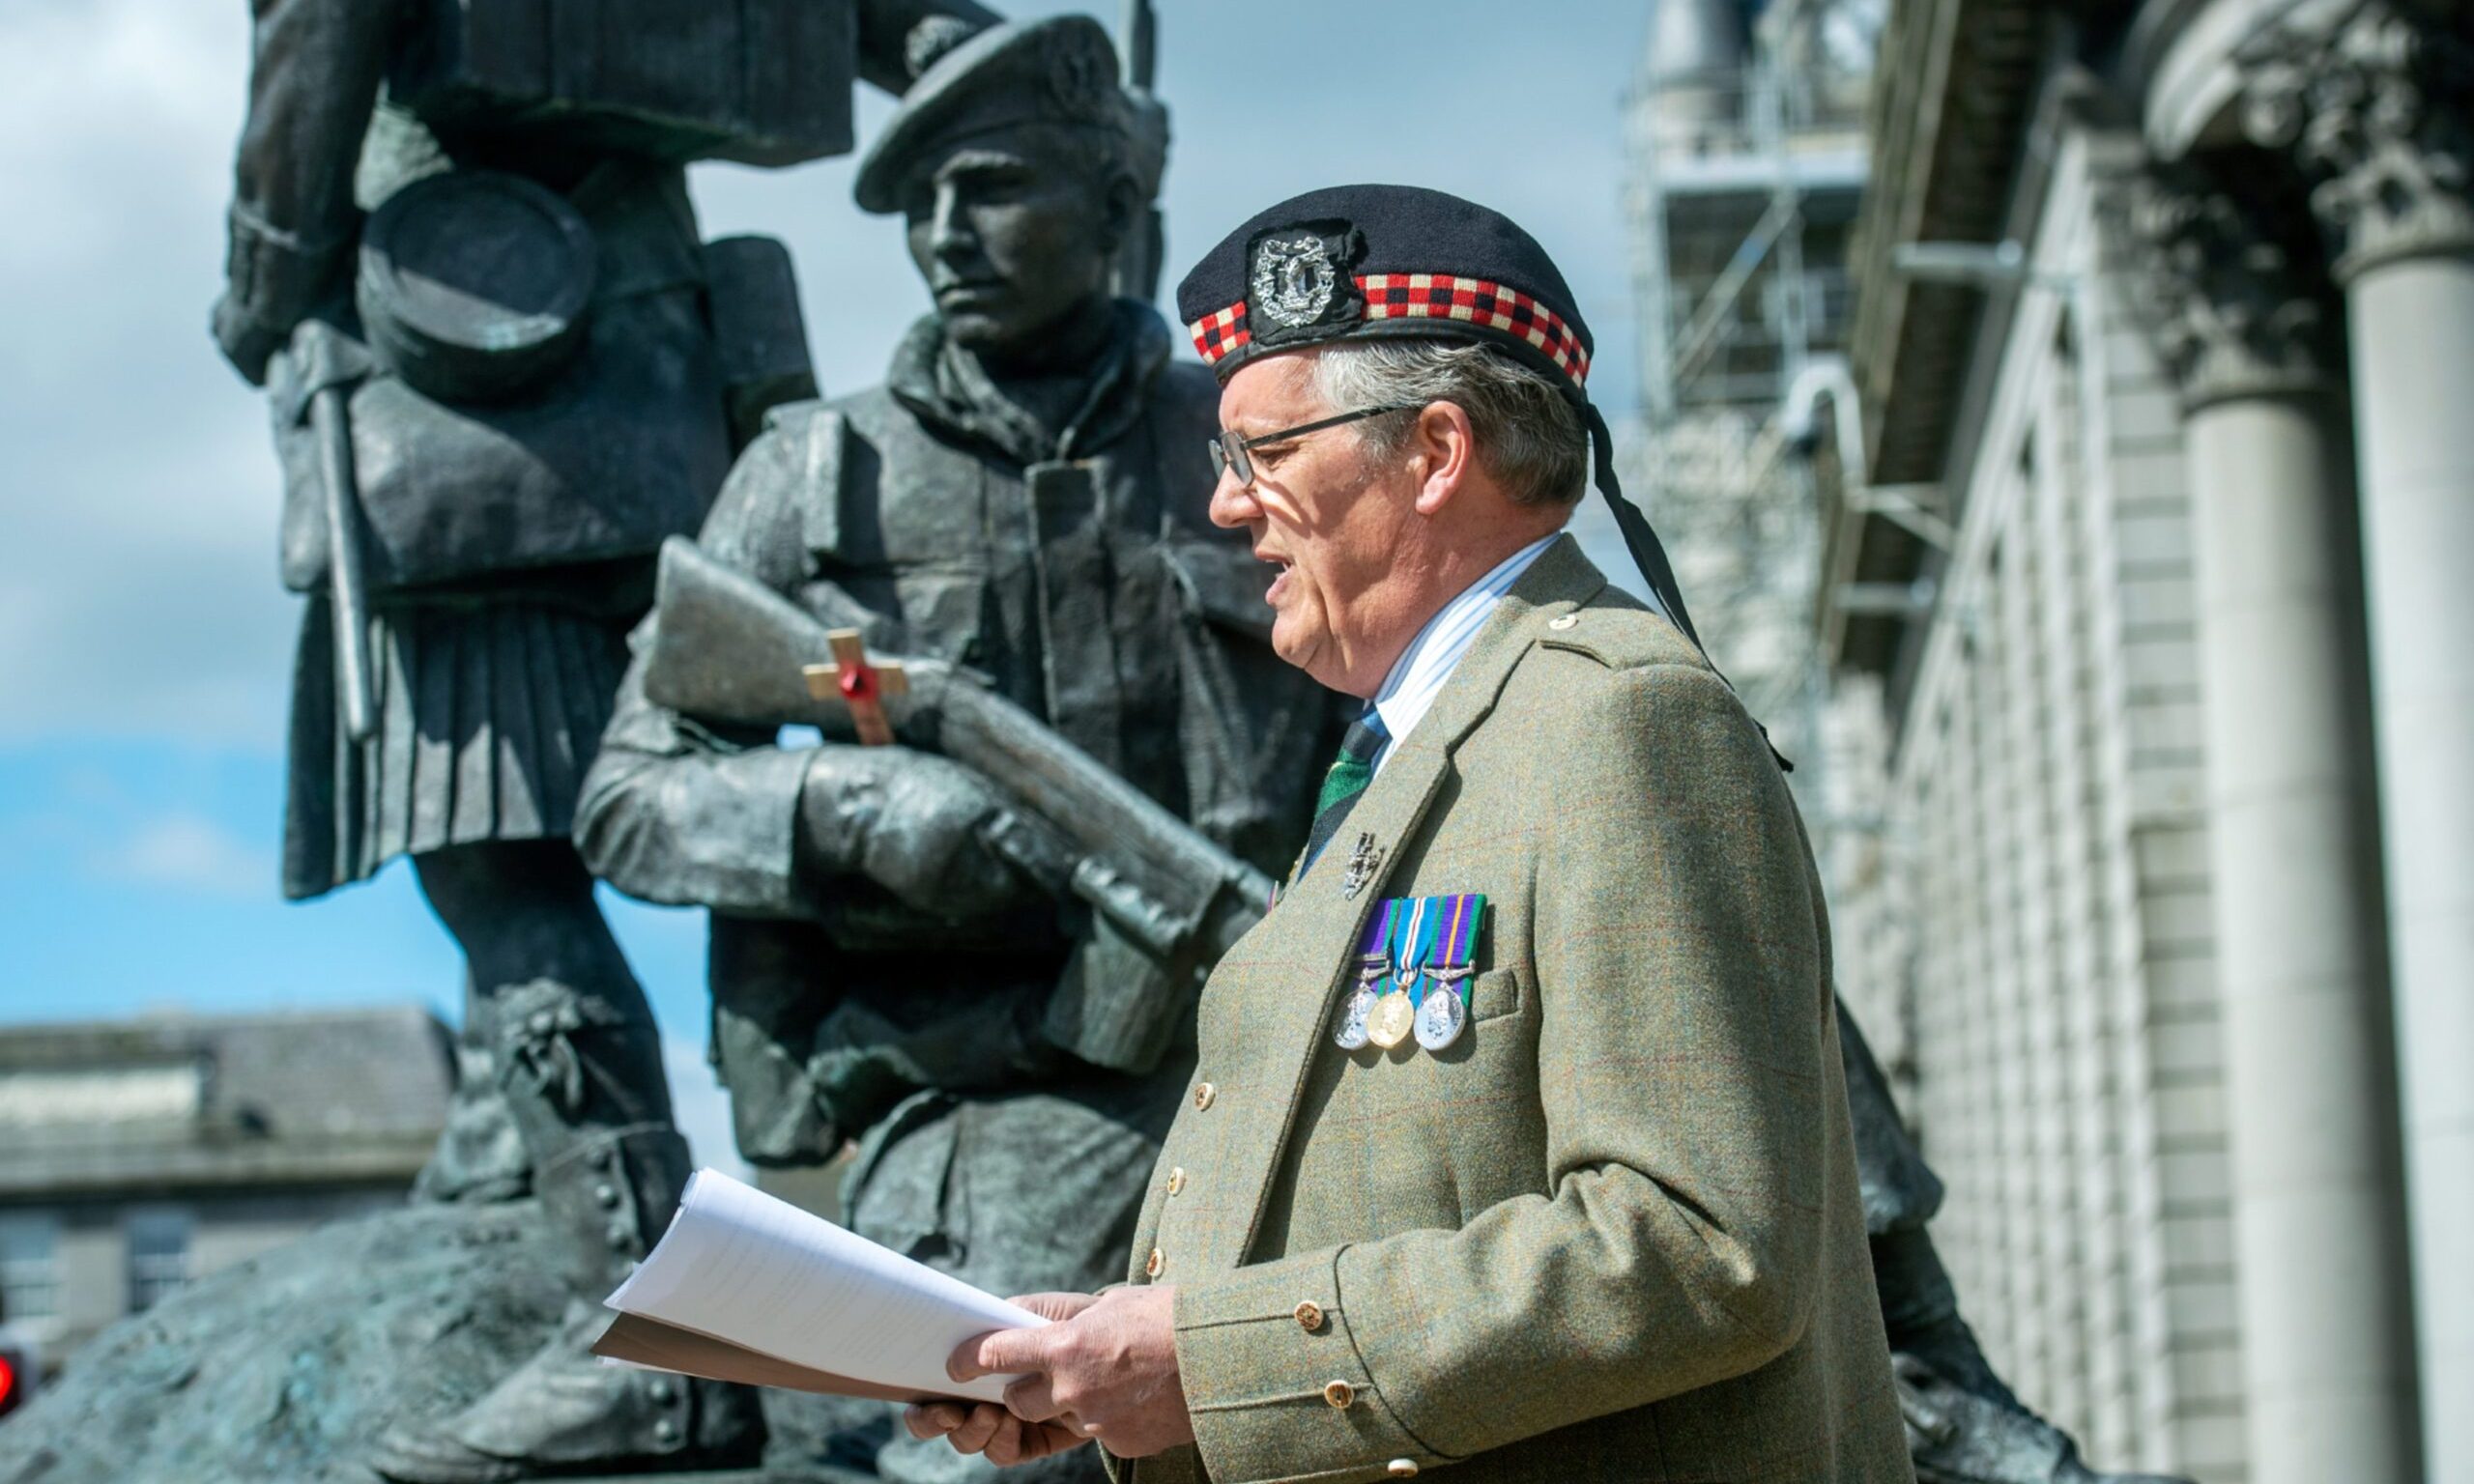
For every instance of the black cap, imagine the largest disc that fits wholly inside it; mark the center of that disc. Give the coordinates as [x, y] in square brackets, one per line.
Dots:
[1383, 261]
[1059, 70]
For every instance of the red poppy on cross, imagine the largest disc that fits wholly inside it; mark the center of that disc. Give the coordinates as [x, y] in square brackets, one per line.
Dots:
[862, 685]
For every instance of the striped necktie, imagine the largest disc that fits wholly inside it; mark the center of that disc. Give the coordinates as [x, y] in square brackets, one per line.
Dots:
[1350, 773]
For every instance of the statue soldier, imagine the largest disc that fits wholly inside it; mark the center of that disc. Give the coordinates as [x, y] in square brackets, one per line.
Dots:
[893, 958]
[503, 367]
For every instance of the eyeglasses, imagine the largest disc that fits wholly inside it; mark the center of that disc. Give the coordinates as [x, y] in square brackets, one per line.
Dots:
[1228, 449]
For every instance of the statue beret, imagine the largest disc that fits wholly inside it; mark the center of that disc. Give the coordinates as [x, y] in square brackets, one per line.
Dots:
[1062, 70]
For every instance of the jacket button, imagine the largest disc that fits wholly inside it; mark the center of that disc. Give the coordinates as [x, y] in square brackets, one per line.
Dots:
[1204, 1091]
[1151, 1266]
[1310, 1316]
[1401, 1467]
[1339, 1393]
[1559, 624]
[1176, 1180]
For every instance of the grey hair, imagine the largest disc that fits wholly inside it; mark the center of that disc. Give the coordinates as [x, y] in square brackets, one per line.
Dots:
[1529, 435]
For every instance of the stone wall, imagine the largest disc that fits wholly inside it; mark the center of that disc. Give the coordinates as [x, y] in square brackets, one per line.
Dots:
[2053, 977]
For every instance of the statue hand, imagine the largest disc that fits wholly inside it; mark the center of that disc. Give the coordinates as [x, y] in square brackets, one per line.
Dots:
[928, 830]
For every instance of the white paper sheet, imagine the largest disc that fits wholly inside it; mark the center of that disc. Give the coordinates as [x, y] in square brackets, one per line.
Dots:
[747, 1268]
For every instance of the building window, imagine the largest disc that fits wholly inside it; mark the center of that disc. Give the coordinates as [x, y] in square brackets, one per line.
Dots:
[29, 1268]
[159, 1255]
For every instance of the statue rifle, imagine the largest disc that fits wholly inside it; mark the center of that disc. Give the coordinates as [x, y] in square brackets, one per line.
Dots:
[727, 648]
[1137, 266]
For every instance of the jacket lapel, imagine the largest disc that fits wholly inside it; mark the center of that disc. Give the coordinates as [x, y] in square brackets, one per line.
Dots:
[1311, 937]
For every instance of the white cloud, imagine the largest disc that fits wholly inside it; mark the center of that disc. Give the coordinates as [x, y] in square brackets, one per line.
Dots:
[135, 487]
[191, 853]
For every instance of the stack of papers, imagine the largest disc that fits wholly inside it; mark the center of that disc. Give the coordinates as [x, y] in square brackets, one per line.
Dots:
[748, 1288]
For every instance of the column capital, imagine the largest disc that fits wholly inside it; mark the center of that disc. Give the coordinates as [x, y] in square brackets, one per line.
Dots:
[2231, 312]
[2373, 110]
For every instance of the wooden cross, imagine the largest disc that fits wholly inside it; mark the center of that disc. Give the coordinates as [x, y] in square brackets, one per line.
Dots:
[861, 685]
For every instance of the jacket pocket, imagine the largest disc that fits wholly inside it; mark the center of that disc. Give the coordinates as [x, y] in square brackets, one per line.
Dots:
[1494, 993]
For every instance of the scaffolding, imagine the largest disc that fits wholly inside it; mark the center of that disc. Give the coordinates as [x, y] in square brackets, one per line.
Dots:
[1744, 134]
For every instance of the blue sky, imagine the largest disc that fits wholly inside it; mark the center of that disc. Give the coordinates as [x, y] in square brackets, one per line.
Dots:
[144, 641]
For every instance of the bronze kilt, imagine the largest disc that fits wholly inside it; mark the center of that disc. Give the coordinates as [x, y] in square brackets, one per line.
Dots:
[491, 703]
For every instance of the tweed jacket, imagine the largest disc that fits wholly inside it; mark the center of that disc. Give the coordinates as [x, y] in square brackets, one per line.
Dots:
[1613, 1232]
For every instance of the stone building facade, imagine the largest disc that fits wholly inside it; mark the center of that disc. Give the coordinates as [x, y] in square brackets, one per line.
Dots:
[136, 1155]
[2167, 311]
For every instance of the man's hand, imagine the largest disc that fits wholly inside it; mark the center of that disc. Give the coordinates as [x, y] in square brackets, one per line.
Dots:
[1108, 1369]
[984, 1427]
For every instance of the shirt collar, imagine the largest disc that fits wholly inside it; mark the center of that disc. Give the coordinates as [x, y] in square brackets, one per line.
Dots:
[1419, 674]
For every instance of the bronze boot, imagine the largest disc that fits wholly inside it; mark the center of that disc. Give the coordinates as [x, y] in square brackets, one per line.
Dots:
[1963, 1424]
[480, 1157]
[563, 1412]
[1956, 1435]
[584, 1081]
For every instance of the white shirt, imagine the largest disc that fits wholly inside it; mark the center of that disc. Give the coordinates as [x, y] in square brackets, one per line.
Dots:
[1417, 677]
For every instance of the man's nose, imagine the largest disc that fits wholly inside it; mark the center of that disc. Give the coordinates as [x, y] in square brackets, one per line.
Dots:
[1233, 502]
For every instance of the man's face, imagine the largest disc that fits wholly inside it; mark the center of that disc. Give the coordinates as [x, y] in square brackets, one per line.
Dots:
[1339, 525]
[1011, 236]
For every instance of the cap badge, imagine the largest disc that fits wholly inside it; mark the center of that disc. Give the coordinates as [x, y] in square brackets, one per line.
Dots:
[1293, 280]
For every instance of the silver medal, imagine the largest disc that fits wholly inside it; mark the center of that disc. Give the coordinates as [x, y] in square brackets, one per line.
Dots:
[1441, 1016]
[1354, 1012]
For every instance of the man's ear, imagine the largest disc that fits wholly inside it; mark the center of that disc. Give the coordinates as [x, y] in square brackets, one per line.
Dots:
[1447, 446]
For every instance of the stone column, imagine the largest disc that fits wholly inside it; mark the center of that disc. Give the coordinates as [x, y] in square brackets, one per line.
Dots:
[2376, 112]
[2319, 1213]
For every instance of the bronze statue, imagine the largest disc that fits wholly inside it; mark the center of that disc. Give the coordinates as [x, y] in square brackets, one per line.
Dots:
[504, 366]
[906, 951]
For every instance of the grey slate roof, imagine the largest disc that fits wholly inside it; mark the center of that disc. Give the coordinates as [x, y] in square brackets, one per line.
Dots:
[164, 1101]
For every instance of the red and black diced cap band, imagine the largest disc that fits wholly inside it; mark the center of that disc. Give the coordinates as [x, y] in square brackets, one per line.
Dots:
[1379, 262]
[1449, 298]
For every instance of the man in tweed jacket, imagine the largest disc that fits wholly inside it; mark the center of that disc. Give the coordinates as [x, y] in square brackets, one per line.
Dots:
[1611, 1231]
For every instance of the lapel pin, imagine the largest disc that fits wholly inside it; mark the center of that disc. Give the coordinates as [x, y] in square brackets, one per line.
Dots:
[1360, 871]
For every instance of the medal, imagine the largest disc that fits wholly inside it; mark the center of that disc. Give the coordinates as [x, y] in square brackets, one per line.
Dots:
[1390, 1023]
[1356, 1010]
[1442, 1013]
[1441, 1016]
[1396, 1014]
[1374, 961]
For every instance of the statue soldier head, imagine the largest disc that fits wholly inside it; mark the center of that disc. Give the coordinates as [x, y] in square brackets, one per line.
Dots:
[1013, 162]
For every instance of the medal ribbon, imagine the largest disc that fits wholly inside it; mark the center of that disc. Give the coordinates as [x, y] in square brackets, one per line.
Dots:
[1414, 945]
[1378, 937]
[1459, 941]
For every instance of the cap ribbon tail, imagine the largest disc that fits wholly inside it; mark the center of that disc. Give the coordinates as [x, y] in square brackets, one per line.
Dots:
[1650, 556]
[1643, 542]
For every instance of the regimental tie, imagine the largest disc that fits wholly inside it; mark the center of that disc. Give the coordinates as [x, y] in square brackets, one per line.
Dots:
[1350, 773]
